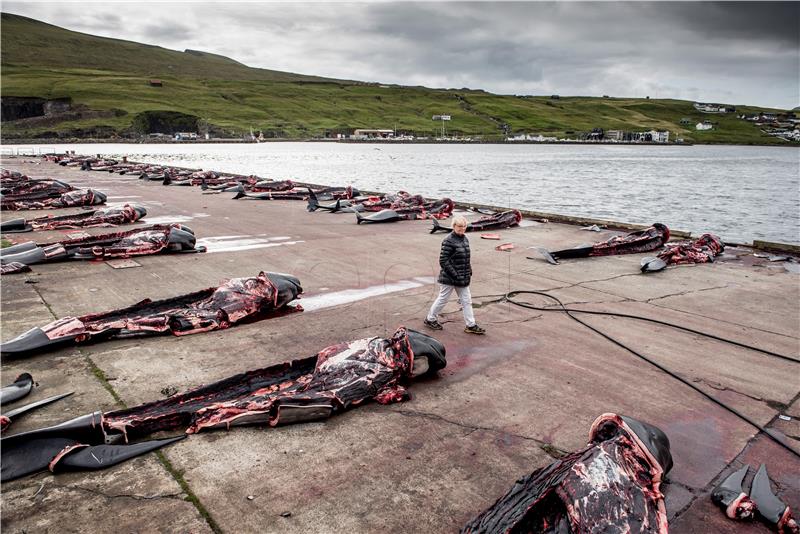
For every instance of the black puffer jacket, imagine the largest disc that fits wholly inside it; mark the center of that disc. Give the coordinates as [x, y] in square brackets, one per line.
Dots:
[454, 260]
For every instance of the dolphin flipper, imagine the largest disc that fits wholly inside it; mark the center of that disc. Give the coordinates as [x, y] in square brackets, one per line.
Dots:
[770, 507]
[730, 496]
[20, 388]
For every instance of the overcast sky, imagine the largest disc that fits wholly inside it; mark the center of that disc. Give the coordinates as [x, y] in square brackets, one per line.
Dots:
[734, 53]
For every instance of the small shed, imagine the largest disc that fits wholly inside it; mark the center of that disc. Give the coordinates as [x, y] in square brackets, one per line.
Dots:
[154, 82]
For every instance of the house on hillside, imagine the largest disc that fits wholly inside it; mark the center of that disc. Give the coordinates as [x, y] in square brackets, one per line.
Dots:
[156, 83]
[705, 125]
[713, 108]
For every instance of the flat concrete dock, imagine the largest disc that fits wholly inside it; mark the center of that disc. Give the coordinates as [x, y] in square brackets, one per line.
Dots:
[507, 403]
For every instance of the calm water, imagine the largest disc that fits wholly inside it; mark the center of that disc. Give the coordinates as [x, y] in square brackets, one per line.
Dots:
[740, 193]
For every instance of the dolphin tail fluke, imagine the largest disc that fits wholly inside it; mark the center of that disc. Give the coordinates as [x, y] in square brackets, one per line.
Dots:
[730, 496]
[203, 184]
[770, 507]
[96, 457]
[167, 179]
[313, 202]
[436, 226]
[652, 265]
[359, 218]
[338, 206]
[240, 193]
[547, 255]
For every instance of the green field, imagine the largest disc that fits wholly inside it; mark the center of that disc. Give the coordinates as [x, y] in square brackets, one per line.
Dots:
[108, 80]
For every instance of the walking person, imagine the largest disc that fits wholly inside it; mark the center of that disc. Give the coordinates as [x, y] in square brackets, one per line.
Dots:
[455, 276]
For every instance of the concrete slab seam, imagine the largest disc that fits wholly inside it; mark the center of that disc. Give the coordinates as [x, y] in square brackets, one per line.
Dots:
[549, 449]
[166, 464]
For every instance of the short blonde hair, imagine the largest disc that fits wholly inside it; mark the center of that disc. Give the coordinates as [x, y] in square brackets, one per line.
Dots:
[459, 220]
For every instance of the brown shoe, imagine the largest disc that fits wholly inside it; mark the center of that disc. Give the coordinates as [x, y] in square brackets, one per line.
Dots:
[433, 325]
[474, 329]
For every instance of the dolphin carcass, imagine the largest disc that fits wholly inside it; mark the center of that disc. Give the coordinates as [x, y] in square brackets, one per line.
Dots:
[645, 240]
[705, 249]
[140, 242]
[505, 219]
[611, 485]
[71, 199]
[104, 217]
[215, 308]
[335, 379]
[437, 209]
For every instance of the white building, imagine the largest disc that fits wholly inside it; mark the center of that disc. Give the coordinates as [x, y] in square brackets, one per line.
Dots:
[659, 137]
[364, 133]
[703, 126]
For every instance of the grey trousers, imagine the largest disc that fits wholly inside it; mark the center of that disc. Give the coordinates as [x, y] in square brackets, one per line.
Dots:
[464, 297]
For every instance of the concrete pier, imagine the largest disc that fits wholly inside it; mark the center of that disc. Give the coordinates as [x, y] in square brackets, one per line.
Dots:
[507, 403]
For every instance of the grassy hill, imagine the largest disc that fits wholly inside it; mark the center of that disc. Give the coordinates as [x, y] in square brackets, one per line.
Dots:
[107, 82]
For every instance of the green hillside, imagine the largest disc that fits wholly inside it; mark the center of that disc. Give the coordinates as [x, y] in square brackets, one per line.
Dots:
[107, 84]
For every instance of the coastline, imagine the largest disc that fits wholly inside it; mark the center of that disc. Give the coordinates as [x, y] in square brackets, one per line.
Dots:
[121, 141]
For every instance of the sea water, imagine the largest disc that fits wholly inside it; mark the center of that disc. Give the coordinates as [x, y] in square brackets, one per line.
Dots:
[741, 193]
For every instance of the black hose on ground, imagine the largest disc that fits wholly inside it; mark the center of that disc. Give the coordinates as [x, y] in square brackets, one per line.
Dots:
[509, 297]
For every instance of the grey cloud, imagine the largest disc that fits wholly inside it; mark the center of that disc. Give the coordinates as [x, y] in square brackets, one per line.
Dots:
[740, 52]
[169, 32]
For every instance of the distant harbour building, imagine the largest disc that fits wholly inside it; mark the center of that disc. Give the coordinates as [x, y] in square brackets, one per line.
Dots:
[615, 135]
[185, 136]
[705, 125]
[659, 137]
[364, 133]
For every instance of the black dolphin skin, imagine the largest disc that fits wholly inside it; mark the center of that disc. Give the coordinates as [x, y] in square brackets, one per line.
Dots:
[506, 219]
[105, 217]
[28, 189]
[612, 485]
[213, 308]
[641, 241]
[383, 216]
[335, 379]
